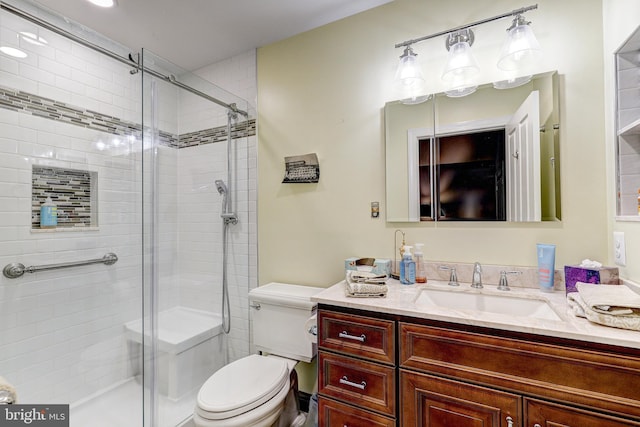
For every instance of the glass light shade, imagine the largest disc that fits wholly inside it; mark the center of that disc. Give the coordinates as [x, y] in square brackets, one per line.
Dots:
[408, 72]
[461, 70]
[520, 50]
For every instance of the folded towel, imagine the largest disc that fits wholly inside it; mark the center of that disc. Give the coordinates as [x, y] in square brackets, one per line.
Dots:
[616, 300]
[582, 309]
[364, 284]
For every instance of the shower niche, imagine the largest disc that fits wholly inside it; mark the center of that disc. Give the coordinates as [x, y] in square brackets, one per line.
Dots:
[73, 191]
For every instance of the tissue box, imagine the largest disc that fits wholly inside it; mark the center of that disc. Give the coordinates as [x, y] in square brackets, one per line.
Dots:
[602, 275]
[373, 265]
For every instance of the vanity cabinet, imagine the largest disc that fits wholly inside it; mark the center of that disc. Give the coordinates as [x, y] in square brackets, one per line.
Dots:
[426, 373]
[356, 370]
[497, 380]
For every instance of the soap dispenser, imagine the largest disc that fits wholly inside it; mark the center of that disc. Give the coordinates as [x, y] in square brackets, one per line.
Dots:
[421, 273]
[407, 267]
[48, 214]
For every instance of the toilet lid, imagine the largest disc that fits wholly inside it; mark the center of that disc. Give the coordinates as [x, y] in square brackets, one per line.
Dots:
[242, 385]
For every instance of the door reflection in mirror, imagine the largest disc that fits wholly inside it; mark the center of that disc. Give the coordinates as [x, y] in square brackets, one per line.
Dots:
[469, 176]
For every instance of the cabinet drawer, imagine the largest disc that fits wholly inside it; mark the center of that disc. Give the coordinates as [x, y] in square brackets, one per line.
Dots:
[603, 380]
[542, 414]
[437, 402]
[372, 385]
[332, 413]
[360, 336]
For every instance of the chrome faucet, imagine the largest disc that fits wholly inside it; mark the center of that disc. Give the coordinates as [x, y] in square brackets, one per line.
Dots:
[476, 281]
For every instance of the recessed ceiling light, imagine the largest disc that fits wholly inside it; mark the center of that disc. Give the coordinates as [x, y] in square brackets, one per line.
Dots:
[33, 39]
[12, 51]
[104, 3]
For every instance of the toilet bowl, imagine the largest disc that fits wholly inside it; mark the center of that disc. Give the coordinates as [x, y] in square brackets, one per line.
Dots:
[253, 390]
[248, 392]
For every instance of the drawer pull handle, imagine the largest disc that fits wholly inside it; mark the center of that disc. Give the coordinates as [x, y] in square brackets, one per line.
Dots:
[537, 425]
[509, 422]
[344, 380]
[345, 334]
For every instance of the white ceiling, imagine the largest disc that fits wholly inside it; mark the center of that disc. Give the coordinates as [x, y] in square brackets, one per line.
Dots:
[195, 33]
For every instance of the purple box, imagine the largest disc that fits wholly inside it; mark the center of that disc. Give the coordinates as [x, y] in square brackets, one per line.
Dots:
[602, 275]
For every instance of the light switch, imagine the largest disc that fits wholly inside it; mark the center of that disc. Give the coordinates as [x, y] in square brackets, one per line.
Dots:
[375, 209]
[619, 249]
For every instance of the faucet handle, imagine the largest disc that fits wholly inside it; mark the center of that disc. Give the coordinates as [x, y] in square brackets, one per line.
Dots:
[476, 280]
[503, 284]
[453, 277]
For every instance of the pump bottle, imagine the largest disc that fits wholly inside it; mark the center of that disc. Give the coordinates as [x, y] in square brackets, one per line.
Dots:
[421, 273]
[407, 268]
[48, 214]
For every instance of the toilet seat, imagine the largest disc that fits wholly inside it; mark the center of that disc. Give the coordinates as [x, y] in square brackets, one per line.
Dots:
[246, 385]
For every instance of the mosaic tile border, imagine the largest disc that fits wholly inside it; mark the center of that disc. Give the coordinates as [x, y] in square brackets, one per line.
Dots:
[39, 106]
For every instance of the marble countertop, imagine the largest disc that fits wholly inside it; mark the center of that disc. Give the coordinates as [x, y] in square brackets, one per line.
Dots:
[403, 300]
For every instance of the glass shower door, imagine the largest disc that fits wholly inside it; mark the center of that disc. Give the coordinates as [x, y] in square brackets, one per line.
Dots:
[186, 151]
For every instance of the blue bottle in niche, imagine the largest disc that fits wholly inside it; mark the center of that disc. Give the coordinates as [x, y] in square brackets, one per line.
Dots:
[48, 214]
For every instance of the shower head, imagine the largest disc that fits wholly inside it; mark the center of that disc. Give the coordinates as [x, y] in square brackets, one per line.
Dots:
[221, 186]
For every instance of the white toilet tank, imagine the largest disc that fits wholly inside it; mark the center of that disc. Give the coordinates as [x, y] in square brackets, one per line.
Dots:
[279, 312]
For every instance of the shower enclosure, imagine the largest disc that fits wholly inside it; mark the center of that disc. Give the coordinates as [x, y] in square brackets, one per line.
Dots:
[130, 148]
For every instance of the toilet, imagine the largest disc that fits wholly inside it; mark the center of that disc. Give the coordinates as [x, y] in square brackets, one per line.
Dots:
[260, 390]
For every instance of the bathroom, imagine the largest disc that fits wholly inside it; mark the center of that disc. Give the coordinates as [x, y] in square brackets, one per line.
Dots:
[328, 100]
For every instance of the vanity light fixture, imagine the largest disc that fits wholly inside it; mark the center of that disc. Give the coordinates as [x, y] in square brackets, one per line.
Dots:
[104, 3]
[461, 71]
[521, 48]
[409, 76]
[519, 51]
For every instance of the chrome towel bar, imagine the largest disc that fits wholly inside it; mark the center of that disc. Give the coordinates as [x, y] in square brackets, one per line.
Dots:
[15, 269]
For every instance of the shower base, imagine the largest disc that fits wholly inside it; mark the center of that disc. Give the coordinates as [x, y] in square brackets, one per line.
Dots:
[121, 406]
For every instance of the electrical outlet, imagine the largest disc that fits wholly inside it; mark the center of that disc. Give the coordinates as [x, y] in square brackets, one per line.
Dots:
[619, 249]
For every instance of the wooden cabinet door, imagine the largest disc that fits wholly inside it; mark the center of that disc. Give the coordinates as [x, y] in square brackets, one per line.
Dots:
[545, 414]
[429, 401]
[332, 413]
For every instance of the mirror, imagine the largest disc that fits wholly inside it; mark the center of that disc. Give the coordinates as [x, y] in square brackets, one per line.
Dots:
[431, 176]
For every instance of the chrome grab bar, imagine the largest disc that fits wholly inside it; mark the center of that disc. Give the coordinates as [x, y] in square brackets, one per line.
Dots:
[15, 269]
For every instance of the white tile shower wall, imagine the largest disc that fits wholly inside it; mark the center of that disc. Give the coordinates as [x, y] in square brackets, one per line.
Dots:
[61, 331]
[167, 216]
[67, 72]
[65, 327]
[238, 76]
[61, 334]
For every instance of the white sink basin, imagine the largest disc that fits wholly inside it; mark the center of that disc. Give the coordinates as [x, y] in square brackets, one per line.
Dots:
[509, 305]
